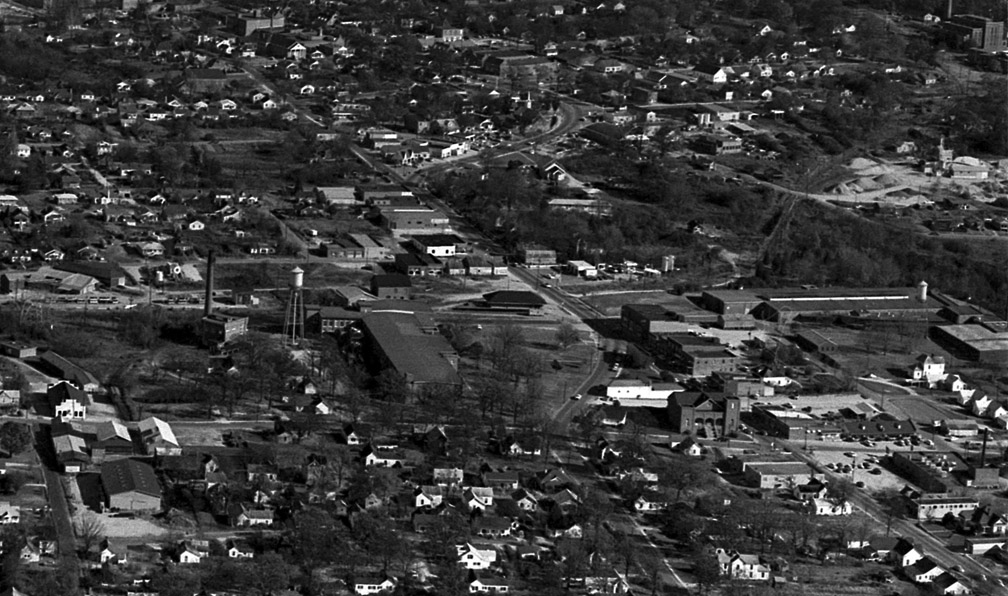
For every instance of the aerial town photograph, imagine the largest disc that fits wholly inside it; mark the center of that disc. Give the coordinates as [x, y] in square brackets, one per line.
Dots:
[503, 297]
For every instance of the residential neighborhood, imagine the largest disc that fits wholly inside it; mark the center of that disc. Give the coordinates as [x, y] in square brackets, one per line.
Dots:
[330, 298]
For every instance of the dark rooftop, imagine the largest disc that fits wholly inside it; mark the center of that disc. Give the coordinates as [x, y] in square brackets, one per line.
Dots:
[125, 475]
[514, 298]
[391, 280]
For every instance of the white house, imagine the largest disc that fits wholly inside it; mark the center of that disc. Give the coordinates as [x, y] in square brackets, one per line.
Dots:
[828, 507]
[904, 554]
[382, 459]
[366, 586]
[191, 556]
[478, 497]
[111, 555]
[947, 585]
[980, 404]
[427, 497]
[472, 557]
[929, 368]
[924, 571]
[253, 517]
[954, 383]
[740, 566]
[485, 585]
[239, 550]
[649, 503]
[9, 514]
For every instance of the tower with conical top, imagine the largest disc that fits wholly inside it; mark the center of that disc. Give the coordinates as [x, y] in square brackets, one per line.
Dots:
[294, 320]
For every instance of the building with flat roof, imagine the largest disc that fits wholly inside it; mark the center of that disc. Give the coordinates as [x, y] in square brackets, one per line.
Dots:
[730, 302]
[879, 428]
[933, 472]
[414, 219]
[398, 341]
[981, 343]
[641, 392]
[383, 195]
[219, 328]
[355, 247]
[778, 474]
[329, 319]
[862, 302]
[792, 425]
[537, 256]
[702, 361]
[438, 245]
[642, 321]
[934, 509]
[967, 31]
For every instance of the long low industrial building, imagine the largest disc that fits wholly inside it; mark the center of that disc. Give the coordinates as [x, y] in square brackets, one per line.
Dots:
[982, 343]
[418, 352]
[864, 302]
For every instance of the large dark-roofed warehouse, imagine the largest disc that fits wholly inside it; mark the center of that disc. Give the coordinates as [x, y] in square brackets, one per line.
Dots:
[130, 486]
[981, 343]
[399, 342]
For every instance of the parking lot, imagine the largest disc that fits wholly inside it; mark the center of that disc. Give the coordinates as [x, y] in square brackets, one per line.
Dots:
[882, 480]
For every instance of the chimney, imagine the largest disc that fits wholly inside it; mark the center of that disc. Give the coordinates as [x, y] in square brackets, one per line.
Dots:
[922, 291]
[948, 12]
[208, 299]
[983, 450]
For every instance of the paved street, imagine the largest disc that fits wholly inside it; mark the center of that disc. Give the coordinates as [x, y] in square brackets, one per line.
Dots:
[60, 512]
[909, 529]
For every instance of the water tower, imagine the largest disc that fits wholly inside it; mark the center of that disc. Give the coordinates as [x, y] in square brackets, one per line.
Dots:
[293, 332]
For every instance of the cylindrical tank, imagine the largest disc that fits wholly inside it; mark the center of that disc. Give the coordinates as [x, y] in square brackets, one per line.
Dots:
[922, 288]
[297, 277]
[159, 277]
[668, 263]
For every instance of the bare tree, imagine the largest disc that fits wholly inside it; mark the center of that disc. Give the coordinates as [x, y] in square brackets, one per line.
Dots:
[566, 335]
[90, 531]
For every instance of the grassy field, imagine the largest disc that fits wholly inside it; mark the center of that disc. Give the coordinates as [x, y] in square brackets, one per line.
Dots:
[611, 302]
[268, 274]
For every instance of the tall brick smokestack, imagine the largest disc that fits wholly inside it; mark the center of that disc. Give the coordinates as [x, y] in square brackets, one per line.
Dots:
[208, 299]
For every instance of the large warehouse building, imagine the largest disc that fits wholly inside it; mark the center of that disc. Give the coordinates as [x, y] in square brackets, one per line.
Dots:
[130, 486]
[418, 352]
[864, 302]
[984, 343]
